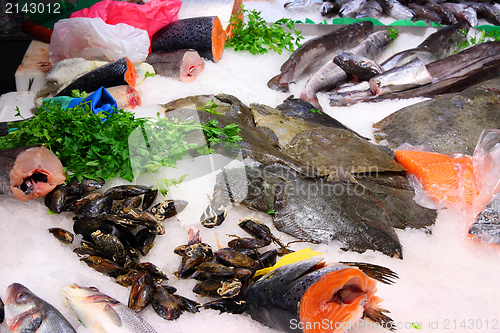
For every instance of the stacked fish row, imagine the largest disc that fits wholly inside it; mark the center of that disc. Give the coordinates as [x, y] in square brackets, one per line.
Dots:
[442, 12]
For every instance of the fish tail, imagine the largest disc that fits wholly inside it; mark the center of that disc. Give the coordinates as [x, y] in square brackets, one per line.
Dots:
[276, 84]
[378, 315]
[379, 273]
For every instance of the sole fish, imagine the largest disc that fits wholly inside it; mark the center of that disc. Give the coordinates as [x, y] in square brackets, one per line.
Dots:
[312, 296]
[29, 172]
[311, 55]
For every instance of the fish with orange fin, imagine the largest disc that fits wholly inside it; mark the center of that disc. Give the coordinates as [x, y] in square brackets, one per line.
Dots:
[313, 296]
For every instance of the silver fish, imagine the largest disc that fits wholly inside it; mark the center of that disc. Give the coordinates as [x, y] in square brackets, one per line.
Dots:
[314, 53]
[371, 9]
[410, 75]
[300, 5]
[26, 312]
[400, 12]
[102, 313]
[352, 8]
[331, 75]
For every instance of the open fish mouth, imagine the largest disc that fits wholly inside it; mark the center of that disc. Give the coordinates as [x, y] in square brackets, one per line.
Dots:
[30, 184]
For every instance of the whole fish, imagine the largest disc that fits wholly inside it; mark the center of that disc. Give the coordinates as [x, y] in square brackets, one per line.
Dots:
[424, 13]
[102, 313]
[301, 5]
[331, 75]
[26, 312]
[438, 45]
[317, 51]
[29, 172]
[182, 65]
[462, 12]
[410, 75]
[446, 15]
[486, 11]
[395, 9]
[361, 67]
[329, 8]
[313, 296]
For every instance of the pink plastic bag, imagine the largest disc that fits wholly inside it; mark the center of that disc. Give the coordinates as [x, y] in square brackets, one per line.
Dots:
[150, 17]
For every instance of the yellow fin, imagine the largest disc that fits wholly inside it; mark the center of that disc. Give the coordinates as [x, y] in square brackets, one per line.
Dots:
[289, 259]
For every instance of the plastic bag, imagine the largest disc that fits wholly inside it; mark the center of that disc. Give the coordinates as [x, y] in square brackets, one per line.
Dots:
[150, 16]
[92, 38]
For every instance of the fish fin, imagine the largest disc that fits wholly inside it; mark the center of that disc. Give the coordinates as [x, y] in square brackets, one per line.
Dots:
[377, 315]
[276, 84]
[379, 273]
[115, 317]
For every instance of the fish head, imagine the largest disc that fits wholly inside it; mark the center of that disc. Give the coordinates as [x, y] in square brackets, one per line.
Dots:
[23, 309]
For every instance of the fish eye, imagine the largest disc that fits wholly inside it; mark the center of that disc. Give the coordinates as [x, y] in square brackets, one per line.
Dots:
[21, 297]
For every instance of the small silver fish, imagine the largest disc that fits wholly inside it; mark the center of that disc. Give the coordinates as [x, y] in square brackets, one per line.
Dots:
[301, 5]
[102, 313]
[26, 312]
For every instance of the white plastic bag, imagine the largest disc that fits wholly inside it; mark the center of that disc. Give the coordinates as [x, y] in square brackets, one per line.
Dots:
[91, 38]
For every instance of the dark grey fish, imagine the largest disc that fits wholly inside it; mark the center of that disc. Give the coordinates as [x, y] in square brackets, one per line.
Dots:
[352, 8]
[26, 312]
[424, 13]
[438, 45]
[450, 123]
[486, 11]
[395, 9]
[329, 8]
[315, 52]
[371, 9]
[462, 12]
[362, 67]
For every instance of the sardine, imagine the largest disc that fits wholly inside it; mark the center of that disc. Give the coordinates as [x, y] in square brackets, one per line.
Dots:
[182, 65]
[26, 312]
[102, 313]
[29, 172]
[311, 293]
[331, 75]
[362, 67]
[311, 55]
[410, 75]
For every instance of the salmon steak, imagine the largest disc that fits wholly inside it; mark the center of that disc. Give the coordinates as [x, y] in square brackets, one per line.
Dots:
[28, 173]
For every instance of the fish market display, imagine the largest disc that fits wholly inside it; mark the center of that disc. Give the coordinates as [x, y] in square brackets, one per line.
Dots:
[450, 123]
[102, 313]
[29, 172]
[313, 296]
[26, 312]
[203, 34]
[115, 73]
[182, 65]
[314, 53]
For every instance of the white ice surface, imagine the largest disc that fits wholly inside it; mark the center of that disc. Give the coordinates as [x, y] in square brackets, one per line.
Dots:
[447, 284]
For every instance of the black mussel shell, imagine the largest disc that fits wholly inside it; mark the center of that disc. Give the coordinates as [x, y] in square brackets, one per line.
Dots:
[130, 202]
[164, 304]
[145, 240]
[86, 185]
[103, 265]
[268, 258]
[228, 305]
[152, 269]
[124, 191]
[207, 288]
[168, 208]
[55, 199]
[62, 235]
[231, 257]
[149, 198]
[209, 270]
[187, 304]
[255, 228]
[248, 242]
[85, 226]
[73, 203]
[141, 292]
[110, 246]
[95, 207]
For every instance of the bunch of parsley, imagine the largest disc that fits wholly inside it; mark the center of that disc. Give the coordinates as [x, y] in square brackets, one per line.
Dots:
[258, 37]
[91, 148]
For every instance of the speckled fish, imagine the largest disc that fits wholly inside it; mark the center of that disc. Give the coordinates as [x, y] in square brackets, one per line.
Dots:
[446, 124]
[361, 67]
[102, 313]
[313, 296]
[312, 54]
[331, 75]
[182, 65]
[26, 312]
[29, 172]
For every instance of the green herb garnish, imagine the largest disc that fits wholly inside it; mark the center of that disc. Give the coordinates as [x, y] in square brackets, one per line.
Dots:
[316, 111]
[147, 74]
[271, 212]
[210, 107]
[78, 94]
[480, 36]
[258, 37]
[91, 148]
[393, 34]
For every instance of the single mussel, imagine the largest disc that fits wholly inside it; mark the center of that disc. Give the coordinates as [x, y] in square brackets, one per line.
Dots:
[141, 292]
[85, 226]
[228, 305]
[103, 265]
[87, 251]
[149, 198]
[208, 288]
[248, 243]
[164, 304]
[144, 218]
[127, 279]
[145, 240]
[186, 304]
[192, 256]
[124, 191]
[210, 270]
[256, 228]
[76, 187]
[110, 246]
[130, 202]
[55, 199]
[156, 273]
[268, 258]
[231, 257]
[62, 235]
[213, 216]
[168, 208]
[95, 207]
[73, 203]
